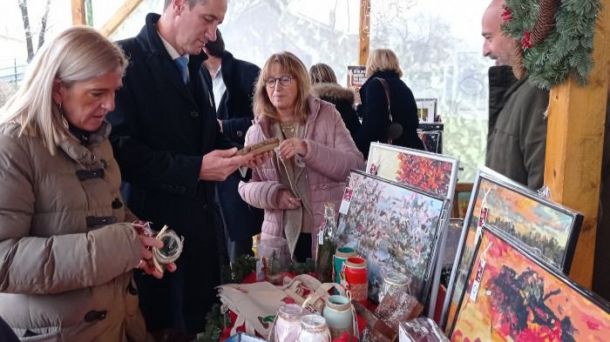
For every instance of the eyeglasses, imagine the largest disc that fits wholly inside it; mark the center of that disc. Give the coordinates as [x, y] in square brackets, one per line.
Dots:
[284, 81]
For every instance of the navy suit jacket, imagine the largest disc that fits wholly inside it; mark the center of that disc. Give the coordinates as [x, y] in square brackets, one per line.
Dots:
[161, 130]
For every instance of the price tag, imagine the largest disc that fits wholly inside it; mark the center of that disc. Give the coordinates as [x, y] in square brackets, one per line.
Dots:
[482, 219]
[474, 291]
[260, 272]
[346, 200]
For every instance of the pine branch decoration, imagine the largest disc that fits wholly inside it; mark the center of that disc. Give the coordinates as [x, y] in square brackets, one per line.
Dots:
[555, 36]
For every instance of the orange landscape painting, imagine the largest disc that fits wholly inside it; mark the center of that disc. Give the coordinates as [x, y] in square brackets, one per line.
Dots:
[545, 228]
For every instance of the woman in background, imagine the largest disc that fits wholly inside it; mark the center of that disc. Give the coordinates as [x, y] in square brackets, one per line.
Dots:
[67, 251]
[325, 86]
[312, 162]
[383, 64]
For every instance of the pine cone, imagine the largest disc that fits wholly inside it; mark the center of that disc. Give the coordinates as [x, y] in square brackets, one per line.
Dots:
[545, 22]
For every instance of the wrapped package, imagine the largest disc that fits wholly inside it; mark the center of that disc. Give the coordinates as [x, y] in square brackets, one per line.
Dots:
[396, 307]
[376, 330]
[421, 329]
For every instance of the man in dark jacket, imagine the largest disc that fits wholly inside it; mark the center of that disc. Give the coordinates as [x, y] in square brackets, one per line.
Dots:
[516, 140]
[233, 88]
[165, 137]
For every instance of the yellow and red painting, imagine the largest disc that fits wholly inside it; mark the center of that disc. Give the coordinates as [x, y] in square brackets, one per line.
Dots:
[511, 297]
[547, 229]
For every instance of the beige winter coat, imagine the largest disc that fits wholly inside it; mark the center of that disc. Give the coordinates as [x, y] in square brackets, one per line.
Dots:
[65, 265]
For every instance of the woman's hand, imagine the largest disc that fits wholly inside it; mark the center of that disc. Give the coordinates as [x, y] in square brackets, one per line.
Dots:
[291, 147]
[259, 159]
[287, 201]
[147, 243]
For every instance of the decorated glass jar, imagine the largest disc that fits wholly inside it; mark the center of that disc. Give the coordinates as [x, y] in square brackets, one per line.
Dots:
[355, 278]
[339, 316]
[393, 282]
[313, 329]
[339, 258]
[287, 323]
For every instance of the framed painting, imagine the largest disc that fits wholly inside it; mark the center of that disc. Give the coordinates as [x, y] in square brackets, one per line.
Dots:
[513, 295]
[433, 173]
[429, 172]
[394, 227]
[432, 140]
[547, 229]
[426, 109]
[450, 247]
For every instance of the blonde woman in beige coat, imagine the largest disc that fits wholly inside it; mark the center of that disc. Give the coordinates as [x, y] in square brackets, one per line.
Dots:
[67, 253]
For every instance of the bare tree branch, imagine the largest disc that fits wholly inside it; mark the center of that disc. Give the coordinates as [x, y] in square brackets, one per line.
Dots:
[23, 6]
[43, 24]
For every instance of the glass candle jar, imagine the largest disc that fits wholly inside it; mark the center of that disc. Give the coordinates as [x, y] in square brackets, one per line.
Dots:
[288, 323]
[393, 282]
[354, 276]
[338, 313]
[313, 329]
[339, 258]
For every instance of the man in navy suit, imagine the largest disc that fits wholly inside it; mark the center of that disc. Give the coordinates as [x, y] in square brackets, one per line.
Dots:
[169, 147]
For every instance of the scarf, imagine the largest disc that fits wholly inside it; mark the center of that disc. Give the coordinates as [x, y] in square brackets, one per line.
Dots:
[292, 175]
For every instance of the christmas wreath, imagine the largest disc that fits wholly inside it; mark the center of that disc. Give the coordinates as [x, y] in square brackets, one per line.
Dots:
[555, 38]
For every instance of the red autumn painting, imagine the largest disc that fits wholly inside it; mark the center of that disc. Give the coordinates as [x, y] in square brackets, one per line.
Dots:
[423, 172]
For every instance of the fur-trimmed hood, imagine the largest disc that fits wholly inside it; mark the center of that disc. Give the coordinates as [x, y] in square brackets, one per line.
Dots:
[333, 92]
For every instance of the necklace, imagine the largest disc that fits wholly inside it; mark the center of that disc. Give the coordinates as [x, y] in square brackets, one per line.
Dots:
[289, 129]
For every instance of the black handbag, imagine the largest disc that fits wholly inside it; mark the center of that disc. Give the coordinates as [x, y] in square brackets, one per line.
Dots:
[395, 129]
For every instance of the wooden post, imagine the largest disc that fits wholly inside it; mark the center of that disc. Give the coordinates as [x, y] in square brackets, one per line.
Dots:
[119, 16]
[365, 30]
[574, 145]
[78, 12]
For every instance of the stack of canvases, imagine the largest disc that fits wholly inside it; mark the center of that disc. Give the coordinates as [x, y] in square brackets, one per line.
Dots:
[508, 281]
[395, 215]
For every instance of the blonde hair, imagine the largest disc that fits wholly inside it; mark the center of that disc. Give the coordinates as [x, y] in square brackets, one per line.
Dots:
[292, 65]
[322, 73]
[382, 60]
[76, 54]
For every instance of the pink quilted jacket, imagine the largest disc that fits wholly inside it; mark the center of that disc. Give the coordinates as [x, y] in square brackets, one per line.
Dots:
[331, 154]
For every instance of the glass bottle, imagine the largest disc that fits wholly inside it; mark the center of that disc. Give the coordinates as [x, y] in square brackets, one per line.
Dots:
[326, 246]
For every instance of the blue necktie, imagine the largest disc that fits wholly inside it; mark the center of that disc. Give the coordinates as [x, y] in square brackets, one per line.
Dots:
[182, 63]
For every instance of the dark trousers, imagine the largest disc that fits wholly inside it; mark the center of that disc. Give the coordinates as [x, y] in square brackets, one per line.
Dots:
[302, 251]
[239, 247]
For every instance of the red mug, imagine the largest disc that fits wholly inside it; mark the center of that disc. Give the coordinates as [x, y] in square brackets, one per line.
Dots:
[354, 277]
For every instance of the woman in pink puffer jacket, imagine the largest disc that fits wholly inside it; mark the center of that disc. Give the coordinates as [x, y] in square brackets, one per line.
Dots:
[312, 162]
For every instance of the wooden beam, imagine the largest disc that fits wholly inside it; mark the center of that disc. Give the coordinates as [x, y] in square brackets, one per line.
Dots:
[119, 16]
[78, 12]
[365, 30]
[574, 144]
